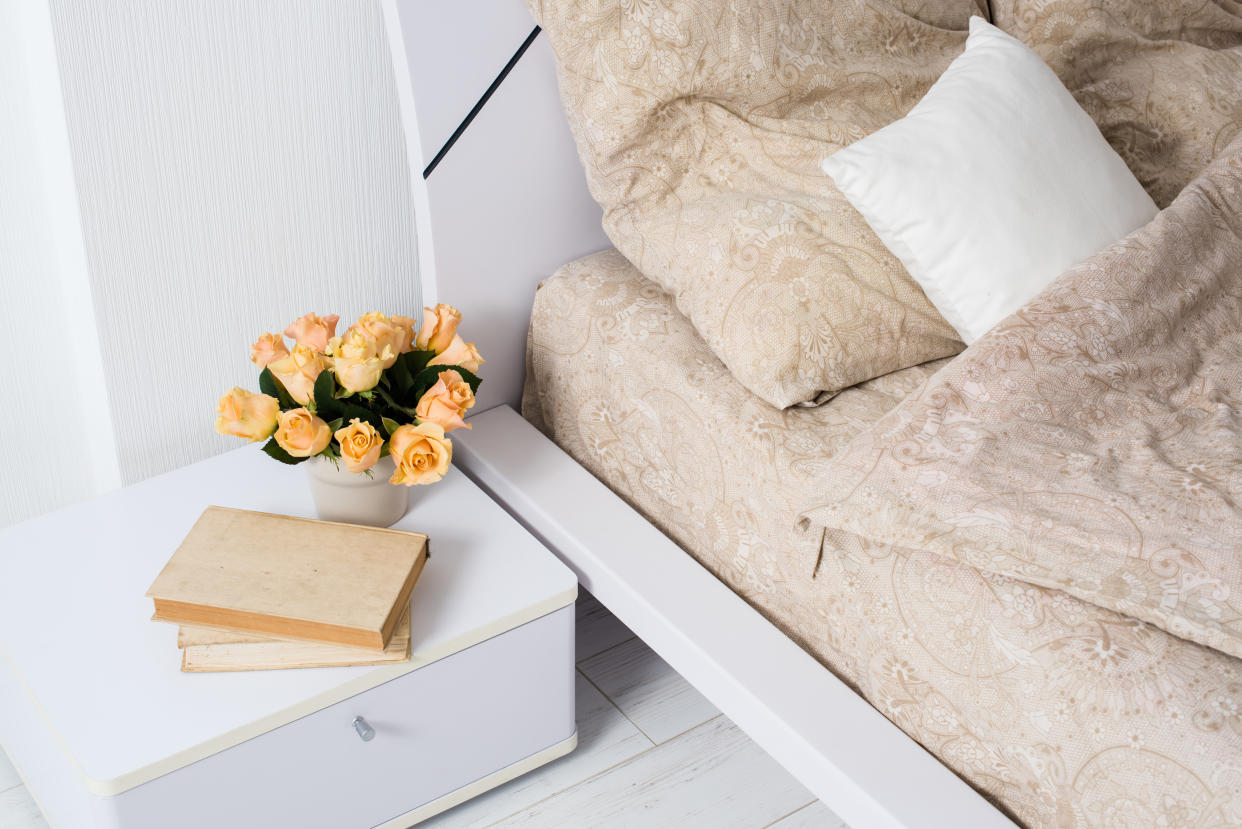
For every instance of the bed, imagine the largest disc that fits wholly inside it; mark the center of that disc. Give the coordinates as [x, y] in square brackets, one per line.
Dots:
[675, 493]
[1061, 712]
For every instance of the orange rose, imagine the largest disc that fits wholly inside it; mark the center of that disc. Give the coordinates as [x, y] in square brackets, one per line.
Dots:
[422, 454]
[313, 331]
[459, 353]
[446, 402]
[247, 415]
[378, 328]
[439, 327]
[405, 333]
[360, 445]
[297, 372]
[301, 434]
[356, 362]
[269, 348]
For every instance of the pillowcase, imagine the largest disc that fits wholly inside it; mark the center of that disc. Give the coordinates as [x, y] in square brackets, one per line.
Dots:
[1162, 80]
[993, 185]
[701, 125]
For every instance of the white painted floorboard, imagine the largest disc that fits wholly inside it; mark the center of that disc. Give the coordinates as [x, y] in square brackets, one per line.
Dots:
[597, 629]
[710, 776]
[647, 690]
[652, 752]
[18, 811]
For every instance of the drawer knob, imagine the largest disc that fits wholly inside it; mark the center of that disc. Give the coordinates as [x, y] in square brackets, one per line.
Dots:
[364, 729]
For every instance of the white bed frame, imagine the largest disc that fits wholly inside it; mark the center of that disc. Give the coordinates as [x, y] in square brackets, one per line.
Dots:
[504, 206]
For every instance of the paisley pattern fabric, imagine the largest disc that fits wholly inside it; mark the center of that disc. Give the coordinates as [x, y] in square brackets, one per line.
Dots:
[701, 126]
[1063, 713]
[1161, 78]
[1092, 441]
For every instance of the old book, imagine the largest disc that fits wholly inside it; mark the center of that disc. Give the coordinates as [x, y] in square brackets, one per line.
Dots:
[292, 578]
[205, 649]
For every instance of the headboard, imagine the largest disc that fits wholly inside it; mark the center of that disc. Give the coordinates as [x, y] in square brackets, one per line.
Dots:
[500, 199]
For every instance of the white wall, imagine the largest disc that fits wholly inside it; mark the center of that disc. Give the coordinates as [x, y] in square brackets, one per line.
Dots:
[57, 437]
[238, 163]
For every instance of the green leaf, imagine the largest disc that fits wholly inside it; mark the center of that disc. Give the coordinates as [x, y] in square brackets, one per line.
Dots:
[272, 448]
[269, 385]
[408, 411]
[350, 410]
[390, 425]
[398, 378]
[408, 365]
[416, 361]
[325, 396]
[336, 424]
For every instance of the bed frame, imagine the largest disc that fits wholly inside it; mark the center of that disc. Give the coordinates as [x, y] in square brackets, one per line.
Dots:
[501, 202]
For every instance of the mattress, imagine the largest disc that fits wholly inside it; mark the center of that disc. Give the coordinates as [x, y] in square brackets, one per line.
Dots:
[1062, 713]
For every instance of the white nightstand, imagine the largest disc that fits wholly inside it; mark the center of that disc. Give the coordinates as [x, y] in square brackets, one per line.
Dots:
[107, 732]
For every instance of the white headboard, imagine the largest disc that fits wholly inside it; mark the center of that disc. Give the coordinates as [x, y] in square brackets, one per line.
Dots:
[499, 194]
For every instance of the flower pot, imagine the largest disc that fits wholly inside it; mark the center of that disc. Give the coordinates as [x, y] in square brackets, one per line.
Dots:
[353, 498]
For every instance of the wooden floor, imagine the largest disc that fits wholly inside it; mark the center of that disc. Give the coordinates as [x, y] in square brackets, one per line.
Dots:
[651, 752]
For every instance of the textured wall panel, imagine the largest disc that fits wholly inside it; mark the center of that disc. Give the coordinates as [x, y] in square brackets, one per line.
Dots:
[238, 163]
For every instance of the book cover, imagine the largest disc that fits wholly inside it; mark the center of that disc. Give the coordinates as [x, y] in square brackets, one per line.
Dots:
[291, 578]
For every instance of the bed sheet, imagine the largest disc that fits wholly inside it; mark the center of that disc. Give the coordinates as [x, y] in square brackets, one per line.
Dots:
[1061, 712]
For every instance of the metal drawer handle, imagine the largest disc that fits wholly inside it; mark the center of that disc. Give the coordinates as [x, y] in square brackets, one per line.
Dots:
[365, 731]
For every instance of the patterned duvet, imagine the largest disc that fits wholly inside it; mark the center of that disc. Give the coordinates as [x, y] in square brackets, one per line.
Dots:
[1064, 713]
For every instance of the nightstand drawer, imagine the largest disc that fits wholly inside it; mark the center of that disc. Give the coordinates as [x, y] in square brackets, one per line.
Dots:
[436, 729]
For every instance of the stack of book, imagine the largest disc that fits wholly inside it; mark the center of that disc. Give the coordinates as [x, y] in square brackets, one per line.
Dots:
[253, 591]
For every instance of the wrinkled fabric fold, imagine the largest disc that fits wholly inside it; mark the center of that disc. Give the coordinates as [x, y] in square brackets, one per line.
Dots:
[1091, 442]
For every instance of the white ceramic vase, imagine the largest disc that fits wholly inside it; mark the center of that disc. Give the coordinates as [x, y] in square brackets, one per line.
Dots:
[341, 495]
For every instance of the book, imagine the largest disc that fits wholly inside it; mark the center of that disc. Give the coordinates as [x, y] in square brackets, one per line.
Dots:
[290, 578]
[205, 649]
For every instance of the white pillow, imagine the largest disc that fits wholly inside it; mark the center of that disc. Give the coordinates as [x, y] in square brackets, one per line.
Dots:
[993, 185]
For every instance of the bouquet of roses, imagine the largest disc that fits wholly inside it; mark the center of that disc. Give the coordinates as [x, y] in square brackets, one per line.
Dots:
[380, 389]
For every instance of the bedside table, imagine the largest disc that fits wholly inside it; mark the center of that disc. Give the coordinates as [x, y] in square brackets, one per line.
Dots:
[107, 732]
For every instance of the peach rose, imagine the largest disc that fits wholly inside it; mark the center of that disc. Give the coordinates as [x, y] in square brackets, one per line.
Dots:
[422, 454]
[360, 445]
[405, 333]
[356, 362]
[247, 415]
[313, 331]
[439, 327]
[301, 434]
[446, 402]
[459, 353]
[379, 328]
[297, 372]
[269, 348]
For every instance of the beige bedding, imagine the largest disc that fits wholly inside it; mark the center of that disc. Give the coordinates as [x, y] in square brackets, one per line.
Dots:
[1092, 441]
[701, 126]
[1161, 78]
[1063, 712]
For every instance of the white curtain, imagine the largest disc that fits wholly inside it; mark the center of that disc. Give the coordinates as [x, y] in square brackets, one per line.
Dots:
[221, 168]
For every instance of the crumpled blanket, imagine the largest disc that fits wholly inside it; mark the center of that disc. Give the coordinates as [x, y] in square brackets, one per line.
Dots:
[1092, 441]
